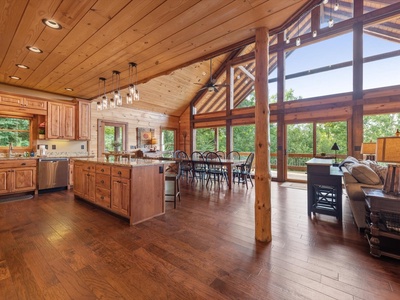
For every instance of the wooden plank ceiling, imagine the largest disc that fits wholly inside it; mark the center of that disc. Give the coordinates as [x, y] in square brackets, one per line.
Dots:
[168, 39]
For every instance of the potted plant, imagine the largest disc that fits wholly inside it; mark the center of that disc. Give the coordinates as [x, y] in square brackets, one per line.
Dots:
[116, 145]
[41, 133]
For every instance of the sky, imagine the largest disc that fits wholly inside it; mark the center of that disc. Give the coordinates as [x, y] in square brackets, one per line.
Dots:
[336, 50]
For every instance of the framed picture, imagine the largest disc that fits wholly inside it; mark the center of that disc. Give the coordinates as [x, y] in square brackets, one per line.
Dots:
[144, 136]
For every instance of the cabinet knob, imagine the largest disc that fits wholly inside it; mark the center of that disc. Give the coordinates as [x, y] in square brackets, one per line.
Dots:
[23, 164]
[119, 172]
[102, 170]
[102, 197]
[102, 181]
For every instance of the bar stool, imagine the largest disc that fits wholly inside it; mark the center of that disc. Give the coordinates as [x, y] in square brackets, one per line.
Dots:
[172, 173]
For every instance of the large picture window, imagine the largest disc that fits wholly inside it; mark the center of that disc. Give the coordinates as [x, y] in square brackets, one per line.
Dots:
[15, 131]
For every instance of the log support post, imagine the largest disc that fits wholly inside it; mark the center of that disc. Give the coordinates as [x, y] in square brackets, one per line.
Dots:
[262, 146]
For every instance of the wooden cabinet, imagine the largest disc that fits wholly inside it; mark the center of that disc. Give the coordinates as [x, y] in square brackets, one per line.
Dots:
[60, 121]
[103, 185]
[84, 180]
[83, 120]
[114, 185]
[17, 176]
[121, 191]
[22, 104]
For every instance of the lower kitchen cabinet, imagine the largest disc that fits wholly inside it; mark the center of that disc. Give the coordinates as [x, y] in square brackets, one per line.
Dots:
[110, 186]
[17, 176]
[84, 180]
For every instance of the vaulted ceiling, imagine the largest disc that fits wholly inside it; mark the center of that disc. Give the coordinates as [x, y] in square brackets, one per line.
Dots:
[170, 40]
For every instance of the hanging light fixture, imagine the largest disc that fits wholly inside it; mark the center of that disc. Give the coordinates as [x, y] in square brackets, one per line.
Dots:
[102, 101]
[336, 7]
[330, 22]
[117, 99]
[298, 40]
[287, 38]
[133, 93]
[99, 101]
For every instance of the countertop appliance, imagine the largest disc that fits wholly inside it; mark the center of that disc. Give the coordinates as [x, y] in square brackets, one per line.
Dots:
[53, 172]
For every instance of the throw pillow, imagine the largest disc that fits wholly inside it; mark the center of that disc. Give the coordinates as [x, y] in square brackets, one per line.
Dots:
[380, 170]
[363, 173]
[348, 160]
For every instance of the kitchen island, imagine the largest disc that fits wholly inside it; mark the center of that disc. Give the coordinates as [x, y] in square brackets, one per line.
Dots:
[133, 189]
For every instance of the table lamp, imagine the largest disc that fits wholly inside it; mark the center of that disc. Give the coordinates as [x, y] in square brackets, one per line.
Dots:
[153, 143]
[387, 150]
[368, 149]
[336, 148]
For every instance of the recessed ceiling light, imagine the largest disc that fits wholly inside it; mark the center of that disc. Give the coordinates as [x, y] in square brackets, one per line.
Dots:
[52, 24]
[34, 49]
[69, 89]
[15, 77]
[22, 66]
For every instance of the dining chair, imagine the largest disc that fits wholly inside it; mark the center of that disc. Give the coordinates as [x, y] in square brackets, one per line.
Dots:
[243, 173]
[173, 174]
[235, 155]
[221, 154]
[185, 164]
[199, 166]
[214, 168]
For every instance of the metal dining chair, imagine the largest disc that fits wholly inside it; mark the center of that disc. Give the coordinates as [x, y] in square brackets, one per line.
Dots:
[243, 173]
[214, 168]
[185, 164]
[199, 166]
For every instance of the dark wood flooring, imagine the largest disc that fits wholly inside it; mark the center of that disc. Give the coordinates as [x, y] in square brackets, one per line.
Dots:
[56, 247]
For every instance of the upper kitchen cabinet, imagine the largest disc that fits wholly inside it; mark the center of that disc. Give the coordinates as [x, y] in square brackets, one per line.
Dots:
[26, 105]
[60, 121]
[83, 120]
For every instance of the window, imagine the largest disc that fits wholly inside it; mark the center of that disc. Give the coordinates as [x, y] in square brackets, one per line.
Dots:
[15, 131]
[211, 139]
[328, 62]
[168, 140]
[111, 136]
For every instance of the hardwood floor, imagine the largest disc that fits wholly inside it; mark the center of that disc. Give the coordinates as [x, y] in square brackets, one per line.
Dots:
[56, 247]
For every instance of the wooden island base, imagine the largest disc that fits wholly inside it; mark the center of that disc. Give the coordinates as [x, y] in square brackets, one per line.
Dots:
[134, 190]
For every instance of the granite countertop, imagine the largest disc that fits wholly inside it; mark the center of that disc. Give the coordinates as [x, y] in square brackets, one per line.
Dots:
[134, 162]
[38, 157]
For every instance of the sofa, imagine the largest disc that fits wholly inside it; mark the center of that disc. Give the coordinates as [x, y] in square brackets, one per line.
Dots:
[357, 174]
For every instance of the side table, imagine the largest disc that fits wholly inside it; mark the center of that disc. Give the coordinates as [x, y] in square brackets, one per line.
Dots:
[383, 220]
[324, 188]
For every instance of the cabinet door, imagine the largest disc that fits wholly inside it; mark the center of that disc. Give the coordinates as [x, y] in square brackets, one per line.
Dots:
[37, 104]
[4, 181]
[120, 195]
[83, 121]
[11, 100]
[24, 179]
[79, 179]
[90, 193]
[54, 120]
[68, 122]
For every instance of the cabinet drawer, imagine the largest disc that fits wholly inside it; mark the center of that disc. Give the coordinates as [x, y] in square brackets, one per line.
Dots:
[103, 181]
[103, 197]
[88, 167]
[18, 163]
[121, 172]
[102, 169]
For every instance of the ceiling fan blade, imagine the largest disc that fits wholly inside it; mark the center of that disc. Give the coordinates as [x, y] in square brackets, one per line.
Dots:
[222, 84]
[198, 83]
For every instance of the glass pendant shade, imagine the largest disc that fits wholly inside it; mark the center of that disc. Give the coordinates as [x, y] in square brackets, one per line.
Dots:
[99, 105]
[105, 102]
[132, 89]
[129, 98]
[330, 23]
[298, 41]
[112, 103]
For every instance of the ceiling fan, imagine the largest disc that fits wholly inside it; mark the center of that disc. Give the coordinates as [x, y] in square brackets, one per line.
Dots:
[210, 85]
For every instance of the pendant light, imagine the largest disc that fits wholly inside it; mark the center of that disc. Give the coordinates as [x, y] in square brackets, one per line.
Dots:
[330, 22]
[102, 101]
[117, 99]
[133, 93]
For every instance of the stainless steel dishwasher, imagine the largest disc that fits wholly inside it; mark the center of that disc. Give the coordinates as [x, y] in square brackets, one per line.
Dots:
[53, 172]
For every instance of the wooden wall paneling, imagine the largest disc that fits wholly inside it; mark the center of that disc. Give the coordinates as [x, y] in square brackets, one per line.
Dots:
[134, 118]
